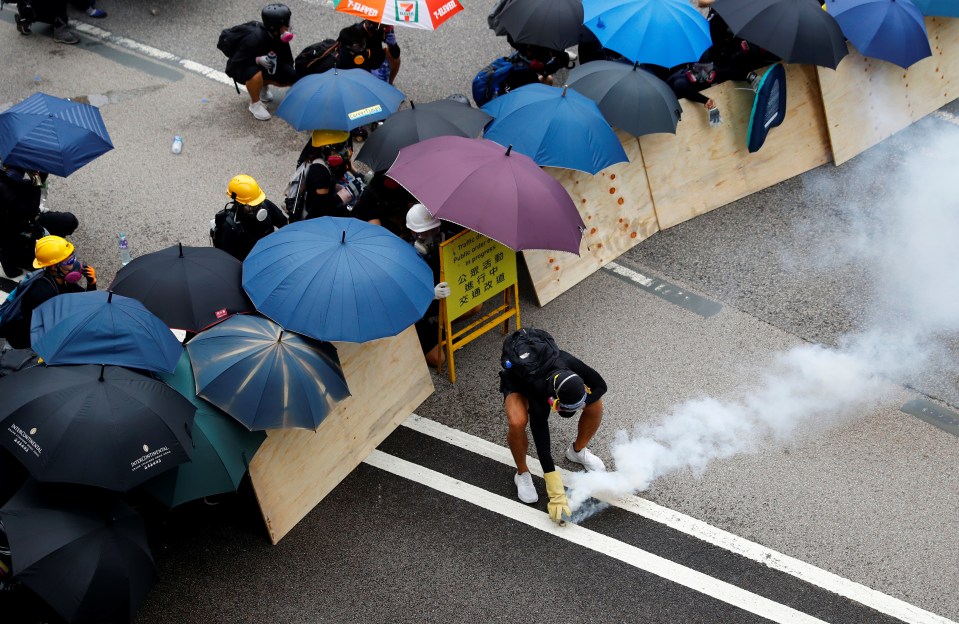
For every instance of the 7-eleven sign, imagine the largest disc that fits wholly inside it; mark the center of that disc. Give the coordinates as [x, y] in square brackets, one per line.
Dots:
[407, 11]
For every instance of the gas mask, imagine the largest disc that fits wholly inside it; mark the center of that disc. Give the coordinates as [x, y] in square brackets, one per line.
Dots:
[426, 242]
[260, 214]
[71, 270]
[287, 37]
[701, 73]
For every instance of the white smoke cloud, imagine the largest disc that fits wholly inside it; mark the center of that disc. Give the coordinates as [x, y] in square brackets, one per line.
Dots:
[908, 242]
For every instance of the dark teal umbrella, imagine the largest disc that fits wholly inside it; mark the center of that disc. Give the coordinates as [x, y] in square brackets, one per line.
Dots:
[222, 450]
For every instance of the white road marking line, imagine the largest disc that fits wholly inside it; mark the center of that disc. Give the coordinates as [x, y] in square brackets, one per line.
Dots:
[696, 528]
[947, 116]
[637, 277]
[636, 557]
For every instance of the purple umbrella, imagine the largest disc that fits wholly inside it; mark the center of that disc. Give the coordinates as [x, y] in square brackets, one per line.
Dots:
[492, 190]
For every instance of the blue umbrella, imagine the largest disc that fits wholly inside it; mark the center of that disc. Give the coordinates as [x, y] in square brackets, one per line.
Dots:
[222, 449]
[336, 278]
[47, 133]
[556, 127]
[102, 328]
[265, 377]
[889, 30]
[660, 32]
[944, 8]
[339, 99]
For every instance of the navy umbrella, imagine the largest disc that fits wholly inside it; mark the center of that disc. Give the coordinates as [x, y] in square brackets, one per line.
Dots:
[944, 8]
[553, 24]
[265, 377]
[335, 278]
[105, 426]
[102, 328]
[47, 133]
[556, 127]
[339, 99]
[82, 550]
[889, 30]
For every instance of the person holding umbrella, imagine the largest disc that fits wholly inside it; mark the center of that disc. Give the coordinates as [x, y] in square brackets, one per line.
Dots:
[259, 55]
[246, 219]
[61, 274]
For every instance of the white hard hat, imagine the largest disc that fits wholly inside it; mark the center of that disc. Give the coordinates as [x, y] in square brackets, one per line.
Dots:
[419, 219]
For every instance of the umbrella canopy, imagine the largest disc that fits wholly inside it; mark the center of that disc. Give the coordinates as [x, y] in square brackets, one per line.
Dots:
[889, 30]
[189, 288]
[95, 425]
[553, 24]
[630, 98]
[265, 377]
[338, 99]
[418, 123]
[555, 127]
[222, 449]
[47, 133]
[494, 191]
[422, 14]
[797, 31]
[661, 32]
[336, 278]
[102, 328]
[82, 550]
[944, 8]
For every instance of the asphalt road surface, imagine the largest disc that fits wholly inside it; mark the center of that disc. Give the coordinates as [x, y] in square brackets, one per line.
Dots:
[849, 514]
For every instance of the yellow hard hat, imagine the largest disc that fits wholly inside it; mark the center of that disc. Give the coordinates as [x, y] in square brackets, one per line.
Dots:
[51, 250]
[244, 190]
[328, 137]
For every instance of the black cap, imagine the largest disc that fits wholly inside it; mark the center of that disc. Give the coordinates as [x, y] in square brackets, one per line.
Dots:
[568, 388]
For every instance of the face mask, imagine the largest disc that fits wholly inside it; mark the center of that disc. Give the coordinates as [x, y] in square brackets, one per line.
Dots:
[71, 270]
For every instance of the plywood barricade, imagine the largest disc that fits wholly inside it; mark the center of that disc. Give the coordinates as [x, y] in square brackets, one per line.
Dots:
[867, 100]
[618, 212]
[295, 469]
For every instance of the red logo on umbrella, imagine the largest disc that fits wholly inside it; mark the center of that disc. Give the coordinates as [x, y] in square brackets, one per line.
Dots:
[220, 313]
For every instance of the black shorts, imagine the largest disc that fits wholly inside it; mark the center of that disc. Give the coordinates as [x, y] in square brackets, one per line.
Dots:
[284, 75]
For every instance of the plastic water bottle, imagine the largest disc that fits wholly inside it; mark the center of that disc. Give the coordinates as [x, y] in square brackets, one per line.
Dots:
[272, 57]
[177, 144]
[125, 256]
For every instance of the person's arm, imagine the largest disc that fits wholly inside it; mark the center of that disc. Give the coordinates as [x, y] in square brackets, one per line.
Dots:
[683, 88]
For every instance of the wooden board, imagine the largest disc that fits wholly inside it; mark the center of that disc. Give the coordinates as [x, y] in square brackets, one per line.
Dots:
[295, 469]
[618, 212]
[868, 100]
[702, 168]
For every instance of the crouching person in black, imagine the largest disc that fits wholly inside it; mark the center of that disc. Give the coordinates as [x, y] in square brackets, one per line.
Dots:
[245, 220]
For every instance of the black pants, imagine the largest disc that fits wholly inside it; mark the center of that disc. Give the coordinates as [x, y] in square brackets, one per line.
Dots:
[47, 11]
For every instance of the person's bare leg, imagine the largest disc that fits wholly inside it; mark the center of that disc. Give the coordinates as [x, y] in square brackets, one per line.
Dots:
[436, 357]
[253, 86]
[588, 425]
[517, 416]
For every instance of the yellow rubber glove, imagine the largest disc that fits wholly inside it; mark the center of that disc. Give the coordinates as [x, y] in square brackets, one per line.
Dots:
[558, 505]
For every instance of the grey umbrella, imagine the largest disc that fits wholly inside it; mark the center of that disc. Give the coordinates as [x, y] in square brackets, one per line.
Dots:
[553, 24]
[630, 98]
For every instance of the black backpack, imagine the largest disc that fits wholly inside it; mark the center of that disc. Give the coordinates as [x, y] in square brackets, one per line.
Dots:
[230, 38]
[530, 354]
[317, 58]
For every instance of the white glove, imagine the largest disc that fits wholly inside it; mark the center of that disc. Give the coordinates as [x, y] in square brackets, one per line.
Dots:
[266, 63]
[344, 194]
[441, 291]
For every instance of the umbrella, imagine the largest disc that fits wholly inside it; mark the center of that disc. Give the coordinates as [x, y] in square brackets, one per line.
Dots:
[422, 14]
[336, 278]
[266, 377]
[944, 8]
[500, 194]
[630, 98]
[102, 328]
[797, 31]
[189, 288]
[417, 123]
[47, 133]
[890, 30]
[661, 32]
[82, 550]
[338, 99]
[96, 425]
[555, 127]
[222, 450]
[552, 24]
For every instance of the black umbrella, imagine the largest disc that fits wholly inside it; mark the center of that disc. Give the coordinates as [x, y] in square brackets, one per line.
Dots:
[553, 24]
[189, 288]
[106, 426]
[417, 123]
[797, 31]
[82, 550]
[630, 98]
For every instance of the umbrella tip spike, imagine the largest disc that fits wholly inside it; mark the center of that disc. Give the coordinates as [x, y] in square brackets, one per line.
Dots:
[635, 65]
[109, 296]
[412, 105]
[509, 149]
[565, 88]
[181, 248]
[343, 238]
[101, 371]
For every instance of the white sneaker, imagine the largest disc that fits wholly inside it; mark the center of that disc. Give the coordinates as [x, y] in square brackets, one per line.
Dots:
[525, 490]
[586, 458]
[266, 96]
[259, 111]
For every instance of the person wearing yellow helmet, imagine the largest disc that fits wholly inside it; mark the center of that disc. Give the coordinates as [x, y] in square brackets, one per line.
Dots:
[60, 273]
[330, 187]
[248, 217]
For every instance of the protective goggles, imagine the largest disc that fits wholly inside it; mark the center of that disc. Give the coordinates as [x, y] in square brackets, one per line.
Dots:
[558, 406]
[69, 262]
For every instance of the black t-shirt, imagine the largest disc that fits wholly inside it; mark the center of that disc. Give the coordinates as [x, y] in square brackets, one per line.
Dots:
[539, 392]
[239, 241]
[329, 204]
[257, 41]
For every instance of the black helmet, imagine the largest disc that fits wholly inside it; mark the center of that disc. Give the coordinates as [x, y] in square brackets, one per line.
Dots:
[274, 16]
